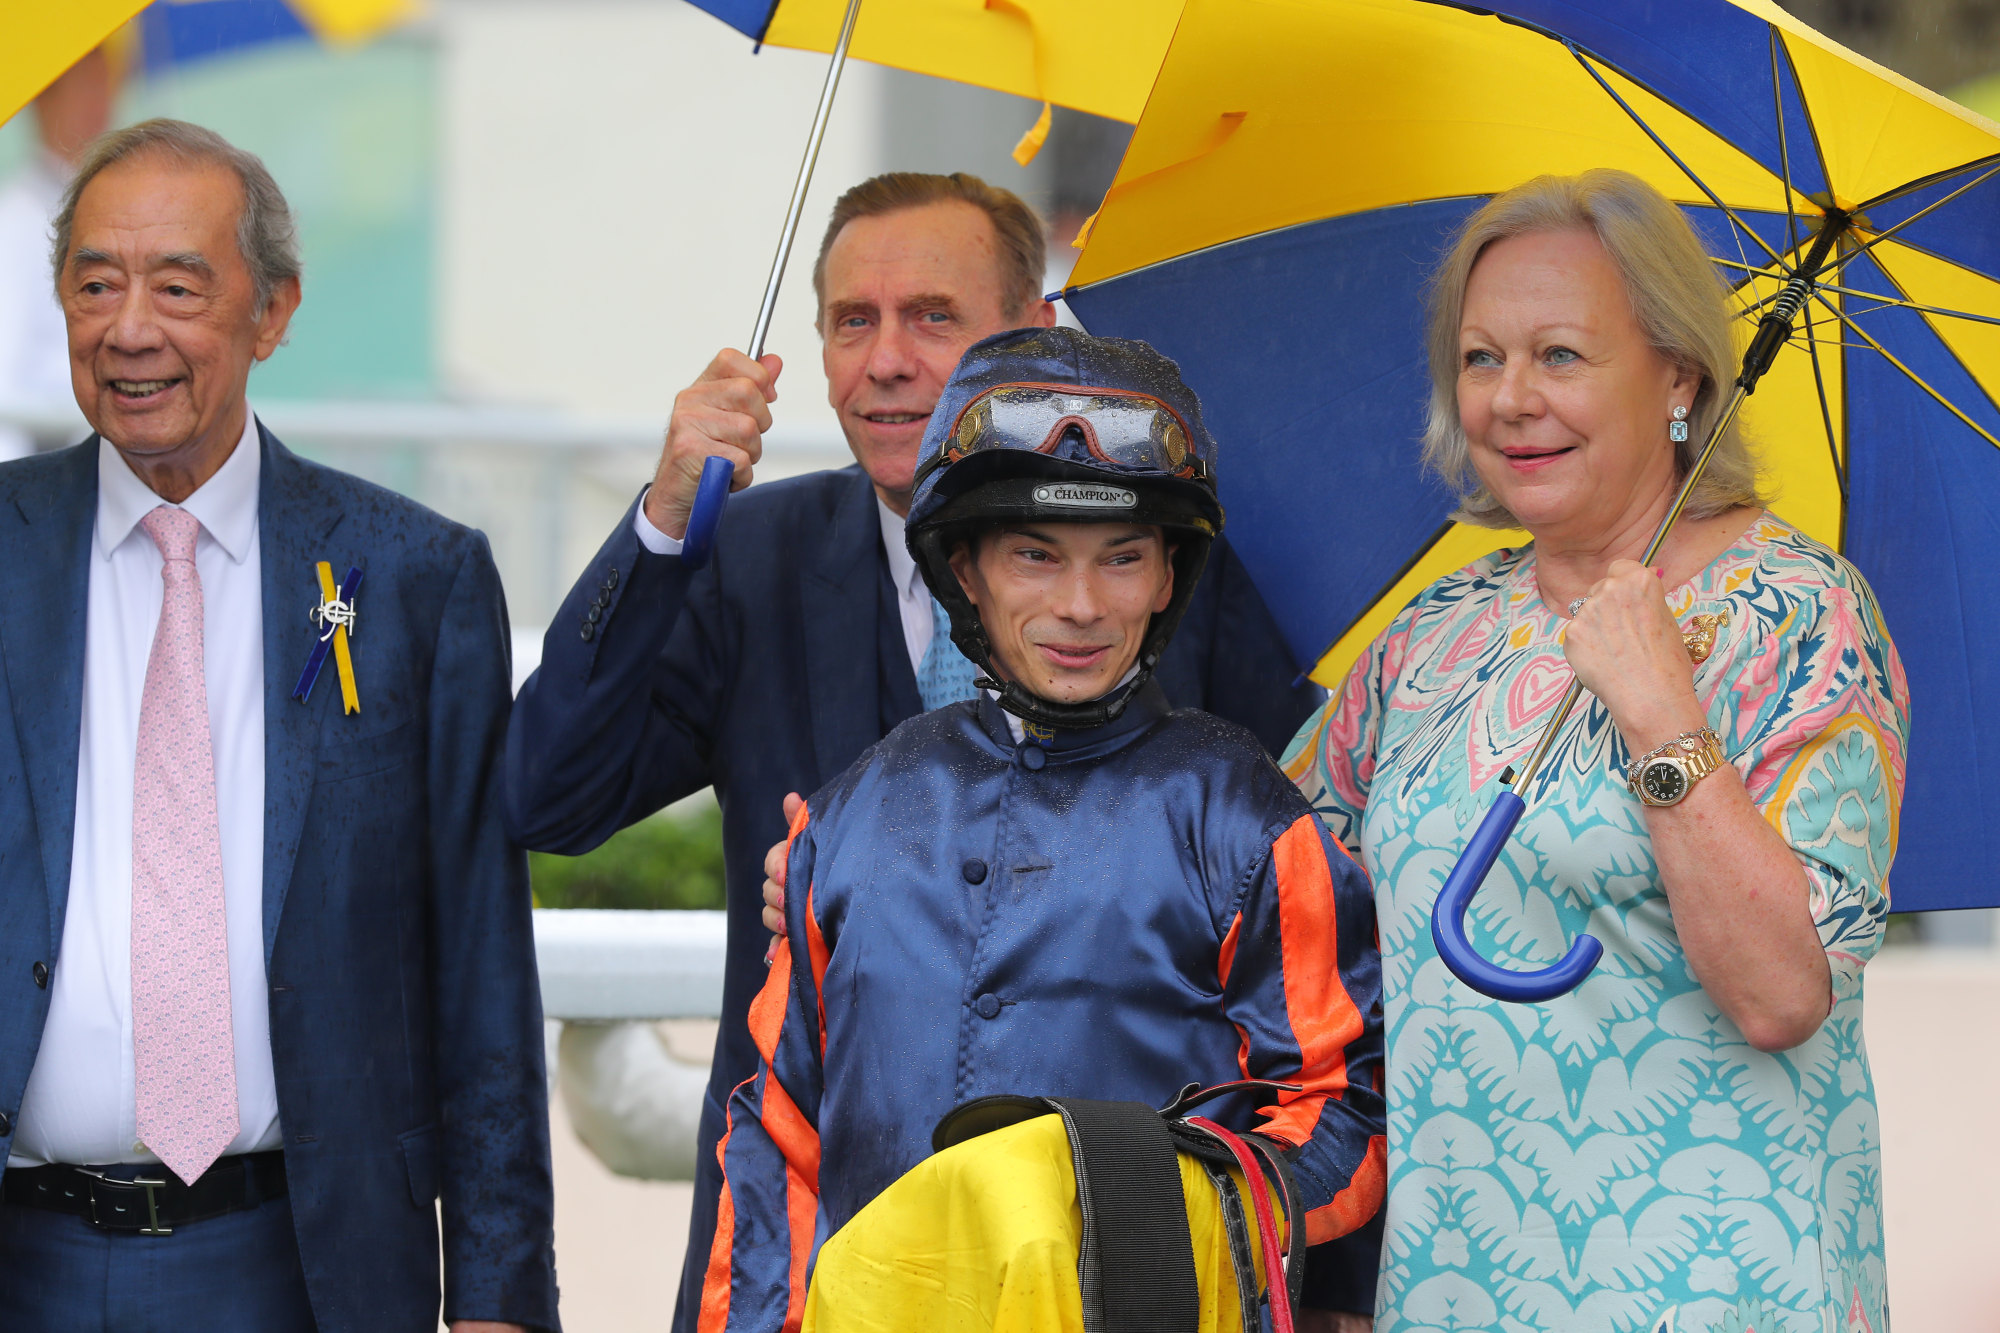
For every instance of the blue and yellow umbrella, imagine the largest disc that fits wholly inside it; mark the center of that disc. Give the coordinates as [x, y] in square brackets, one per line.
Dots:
[1300, 168]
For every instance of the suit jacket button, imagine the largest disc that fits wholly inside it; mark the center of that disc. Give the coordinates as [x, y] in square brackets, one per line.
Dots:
[974, 871]
[610, 580]
[42, 975]
[596, 612]
[589, 631]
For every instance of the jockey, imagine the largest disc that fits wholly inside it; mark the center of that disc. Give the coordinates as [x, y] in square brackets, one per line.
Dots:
[1062, 887]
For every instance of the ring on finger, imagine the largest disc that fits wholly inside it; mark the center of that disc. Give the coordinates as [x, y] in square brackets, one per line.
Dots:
[1576, 605]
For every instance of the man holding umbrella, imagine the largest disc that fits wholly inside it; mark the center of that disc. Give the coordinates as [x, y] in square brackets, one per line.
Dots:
[811, 634]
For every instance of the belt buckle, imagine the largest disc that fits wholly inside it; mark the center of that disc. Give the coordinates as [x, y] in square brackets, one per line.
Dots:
[152, 1225]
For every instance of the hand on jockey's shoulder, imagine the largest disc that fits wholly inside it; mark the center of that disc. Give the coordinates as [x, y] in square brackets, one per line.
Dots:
[774, 880]
[724, 414]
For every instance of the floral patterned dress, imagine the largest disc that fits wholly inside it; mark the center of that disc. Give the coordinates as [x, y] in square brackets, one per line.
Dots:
[1619, 1158]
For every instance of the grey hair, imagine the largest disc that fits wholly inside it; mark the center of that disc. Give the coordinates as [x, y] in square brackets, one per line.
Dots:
[265, 234]
[1679, 301]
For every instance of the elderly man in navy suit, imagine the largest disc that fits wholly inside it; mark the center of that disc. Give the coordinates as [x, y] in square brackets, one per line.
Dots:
[265, 952]
[811, 634]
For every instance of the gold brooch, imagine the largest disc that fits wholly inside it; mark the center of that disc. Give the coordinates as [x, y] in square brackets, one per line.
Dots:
[1700, 634]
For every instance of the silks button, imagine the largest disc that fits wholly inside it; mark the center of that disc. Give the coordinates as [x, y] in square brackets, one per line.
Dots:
[1032, 757]
[974, 871]
[987, 1005]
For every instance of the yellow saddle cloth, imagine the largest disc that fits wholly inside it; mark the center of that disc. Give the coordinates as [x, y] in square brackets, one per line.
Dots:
[984, 1236]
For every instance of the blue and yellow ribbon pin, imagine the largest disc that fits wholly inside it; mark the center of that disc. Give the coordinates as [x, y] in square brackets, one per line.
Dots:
[335, 618]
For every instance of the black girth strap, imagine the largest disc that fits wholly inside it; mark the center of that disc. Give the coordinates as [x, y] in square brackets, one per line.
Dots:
[1137, 1261]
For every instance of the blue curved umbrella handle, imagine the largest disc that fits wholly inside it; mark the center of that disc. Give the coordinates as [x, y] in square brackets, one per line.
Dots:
[711, 493]
[1482, 849]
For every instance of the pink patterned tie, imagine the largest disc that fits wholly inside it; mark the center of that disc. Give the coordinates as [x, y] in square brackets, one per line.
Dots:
[182, 1049]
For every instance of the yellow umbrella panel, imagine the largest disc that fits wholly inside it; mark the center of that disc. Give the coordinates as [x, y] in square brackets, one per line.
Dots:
[1091, 55]
[43, 40]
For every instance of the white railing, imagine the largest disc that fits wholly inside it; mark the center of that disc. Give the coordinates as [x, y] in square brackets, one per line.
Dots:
[606, 976]
[601, 966]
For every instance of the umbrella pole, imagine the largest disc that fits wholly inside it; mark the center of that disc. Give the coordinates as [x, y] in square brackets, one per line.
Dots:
[1483, 848]
[712, 492]
[797, 207]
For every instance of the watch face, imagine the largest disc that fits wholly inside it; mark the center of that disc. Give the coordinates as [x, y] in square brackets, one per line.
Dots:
[1663, 782]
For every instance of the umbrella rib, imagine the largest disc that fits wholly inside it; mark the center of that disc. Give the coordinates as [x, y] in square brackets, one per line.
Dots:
[1686, 170]
[1881, 301]
[1826, 414]
[1925, 211]
[1912, 375]
[1911, 187]
[1784, 150]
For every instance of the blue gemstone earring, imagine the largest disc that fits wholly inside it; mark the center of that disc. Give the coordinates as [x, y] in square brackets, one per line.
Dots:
[1677, 429]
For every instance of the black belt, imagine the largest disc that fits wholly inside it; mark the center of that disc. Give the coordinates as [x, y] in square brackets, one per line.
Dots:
[156, 1201]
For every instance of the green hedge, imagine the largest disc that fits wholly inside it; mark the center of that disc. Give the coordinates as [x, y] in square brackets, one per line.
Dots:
[664, 861]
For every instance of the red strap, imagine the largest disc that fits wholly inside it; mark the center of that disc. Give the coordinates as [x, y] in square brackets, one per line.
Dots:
[1267, 1225]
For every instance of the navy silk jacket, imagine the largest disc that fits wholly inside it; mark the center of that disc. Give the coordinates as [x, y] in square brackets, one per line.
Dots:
[1113, 914]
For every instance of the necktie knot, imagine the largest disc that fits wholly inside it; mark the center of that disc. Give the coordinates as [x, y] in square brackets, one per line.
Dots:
[173, 530]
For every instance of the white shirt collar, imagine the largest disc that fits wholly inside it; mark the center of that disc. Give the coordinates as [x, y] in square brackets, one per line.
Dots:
[902, 565]
[225, 505]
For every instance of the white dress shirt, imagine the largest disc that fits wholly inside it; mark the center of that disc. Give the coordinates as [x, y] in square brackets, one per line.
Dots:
[913, 598]
[79, 1106]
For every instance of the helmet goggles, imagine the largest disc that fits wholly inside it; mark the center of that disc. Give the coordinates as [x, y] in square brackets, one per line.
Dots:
[1119, 427]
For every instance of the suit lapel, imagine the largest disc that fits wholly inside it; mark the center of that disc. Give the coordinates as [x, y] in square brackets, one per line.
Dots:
[294, 519]
[840, 647]
[45, 549]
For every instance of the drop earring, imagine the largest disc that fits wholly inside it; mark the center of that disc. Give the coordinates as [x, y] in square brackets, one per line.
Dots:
[1677, 429]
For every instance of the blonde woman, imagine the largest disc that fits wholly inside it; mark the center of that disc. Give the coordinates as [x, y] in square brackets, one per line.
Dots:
[1688, 1140]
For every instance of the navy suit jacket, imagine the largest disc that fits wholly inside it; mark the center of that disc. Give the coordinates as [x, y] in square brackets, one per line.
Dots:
[764, 674]
[406, 1025]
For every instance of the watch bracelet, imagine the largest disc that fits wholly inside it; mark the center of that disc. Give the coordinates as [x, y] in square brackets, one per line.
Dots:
[1687, 745]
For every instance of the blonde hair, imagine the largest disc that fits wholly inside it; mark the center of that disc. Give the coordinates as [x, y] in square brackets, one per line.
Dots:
[1678, 300]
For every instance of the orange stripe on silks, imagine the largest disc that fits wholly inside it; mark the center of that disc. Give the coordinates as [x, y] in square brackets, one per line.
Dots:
[714, 1315]
[715, 1286]
[801, 1208]
[816, 955]
[799, 1142]
[767, 1011]
[1224, 961]
[1323, 1016]
[1358, 1202]
[1226, 958]
[767, 1016]
[796, 1139]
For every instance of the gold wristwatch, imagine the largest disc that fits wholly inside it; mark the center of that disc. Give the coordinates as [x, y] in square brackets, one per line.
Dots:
[1664, 776]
